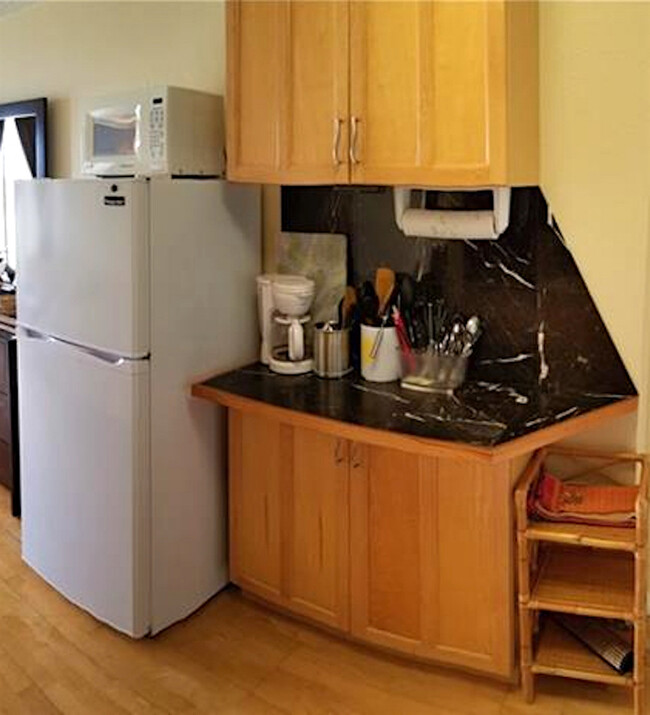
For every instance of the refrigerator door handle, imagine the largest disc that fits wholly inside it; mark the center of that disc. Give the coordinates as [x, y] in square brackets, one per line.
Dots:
[110, 358]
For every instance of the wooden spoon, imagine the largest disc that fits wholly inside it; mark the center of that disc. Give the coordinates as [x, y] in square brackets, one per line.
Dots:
[348, 303]
[384, 287]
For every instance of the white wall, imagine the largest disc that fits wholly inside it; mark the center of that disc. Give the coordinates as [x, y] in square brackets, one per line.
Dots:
[69, 50]
[595, 168]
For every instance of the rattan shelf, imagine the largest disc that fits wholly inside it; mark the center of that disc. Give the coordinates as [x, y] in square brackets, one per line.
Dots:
[597, 571]
[559, 653]
[600, 537]
[585, 581]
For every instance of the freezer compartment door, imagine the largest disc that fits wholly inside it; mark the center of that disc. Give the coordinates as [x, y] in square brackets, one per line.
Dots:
[83, 262]
[85, 478]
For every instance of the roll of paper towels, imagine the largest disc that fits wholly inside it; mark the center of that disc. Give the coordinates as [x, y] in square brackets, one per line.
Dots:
[448, 224]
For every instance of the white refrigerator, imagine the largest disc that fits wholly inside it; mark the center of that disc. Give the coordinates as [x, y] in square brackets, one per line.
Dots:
[128, 291]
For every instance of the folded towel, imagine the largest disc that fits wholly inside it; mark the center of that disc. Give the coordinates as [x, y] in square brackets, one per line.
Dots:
[557, 500]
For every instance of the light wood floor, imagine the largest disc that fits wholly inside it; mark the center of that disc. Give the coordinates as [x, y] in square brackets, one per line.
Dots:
[231, 657]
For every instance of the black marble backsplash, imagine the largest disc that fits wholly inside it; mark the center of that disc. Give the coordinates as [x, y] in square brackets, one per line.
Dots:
[541, 327]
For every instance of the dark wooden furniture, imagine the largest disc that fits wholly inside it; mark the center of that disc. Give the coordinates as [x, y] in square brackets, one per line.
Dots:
[9, 455]
[37, 110]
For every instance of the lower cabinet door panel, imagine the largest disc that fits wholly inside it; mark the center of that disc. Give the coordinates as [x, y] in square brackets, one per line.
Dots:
[315, 521]
[289, 516]
[431, 549]
[474, 623]
[389, 542]
[255, 468]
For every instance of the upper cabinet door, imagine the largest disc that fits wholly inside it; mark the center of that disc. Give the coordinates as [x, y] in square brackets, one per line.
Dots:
[429, 91]
[411, 92]
[315, 93]
[287, 91]
[254, 81]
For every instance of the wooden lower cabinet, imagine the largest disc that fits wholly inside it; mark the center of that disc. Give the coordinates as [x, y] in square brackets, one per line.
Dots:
[316, 527]
[254, 496]
[289, 508]
[406, 551]
[431, 557]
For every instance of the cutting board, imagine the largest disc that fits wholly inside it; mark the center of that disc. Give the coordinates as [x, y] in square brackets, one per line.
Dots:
[321, 257]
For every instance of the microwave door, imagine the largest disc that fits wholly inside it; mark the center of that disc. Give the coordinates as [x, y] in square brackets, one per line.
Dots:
[112, 140]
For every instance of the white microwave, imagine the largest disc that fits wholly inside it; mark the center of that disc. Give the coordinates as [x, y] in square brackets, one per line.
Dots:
[168, 131]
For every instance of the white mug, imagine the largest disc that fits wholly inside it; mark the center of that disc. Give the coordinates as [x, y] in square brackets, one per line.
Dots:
[386, 365]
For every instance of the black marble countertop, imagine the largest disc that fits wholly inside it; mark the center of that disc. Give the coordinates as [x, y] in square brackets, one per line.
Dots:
[481, 413]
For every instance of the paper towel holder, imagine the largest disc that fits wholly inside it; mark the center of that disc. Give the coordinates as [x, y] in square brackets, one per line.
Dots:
[452, 224]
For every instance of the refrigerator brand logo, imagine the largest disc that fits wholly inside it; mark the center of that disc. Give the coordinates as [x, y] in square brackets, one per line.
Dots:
[114, 201]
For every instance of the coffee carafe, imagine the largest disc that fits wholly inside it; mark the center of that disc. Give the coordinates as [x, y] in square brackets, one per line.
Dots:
[284, 302]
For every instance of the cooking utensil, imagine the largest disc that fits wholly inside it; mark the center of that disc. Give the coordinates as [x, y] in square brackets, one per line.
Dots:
[472, 334]
[405, 301]
[456, 342]
[368, 303]
[384, 287]
[384, 319]
[348, 302]
[403, 339]
[406, 292]
[439, 319]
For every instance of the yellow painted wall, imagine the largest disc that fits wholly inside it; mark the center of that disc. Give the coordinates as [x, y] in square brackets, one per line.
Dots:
[595, 166]
[595, 121]
[70, 50]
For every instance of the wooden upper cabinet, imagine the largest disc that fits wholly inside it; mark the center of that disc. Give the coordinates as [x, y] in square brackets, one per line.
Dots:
[424, 81]
[434, 94]
[254, 81]
[314, 117]
[288, 91]
[424, 92]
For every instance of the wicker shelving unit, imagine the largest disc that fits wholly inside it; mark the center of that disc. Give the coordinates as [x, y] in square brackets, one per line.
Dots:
[597, 571]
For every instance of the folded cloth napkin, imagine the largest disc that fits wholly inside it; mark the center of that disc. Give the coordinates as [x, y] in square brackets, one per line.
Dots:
[556, 500]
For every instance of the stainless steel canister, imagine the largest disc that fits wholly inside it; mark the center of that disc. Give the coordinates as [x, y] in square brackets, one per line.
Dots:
[331, 350]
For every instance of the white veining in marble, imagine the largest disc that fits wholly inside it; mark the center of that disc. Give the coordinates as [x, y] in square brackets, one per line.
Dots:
[504, 360]
[465, 420]
[381, 393]
[411, 416]
[515, 275]
[543, 365]
[536, 421]
[607, 395]
[566, 413]
[510, 391]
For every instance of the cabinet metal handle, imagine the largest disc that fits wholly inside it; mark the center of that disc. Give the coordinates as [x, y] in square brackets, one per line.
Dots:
[336, 141]
[339, 452]
[354, 133]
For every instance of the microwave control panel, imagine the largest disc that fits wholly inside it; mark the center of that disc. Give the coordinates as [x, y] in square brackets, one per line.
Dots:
[157, 130]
